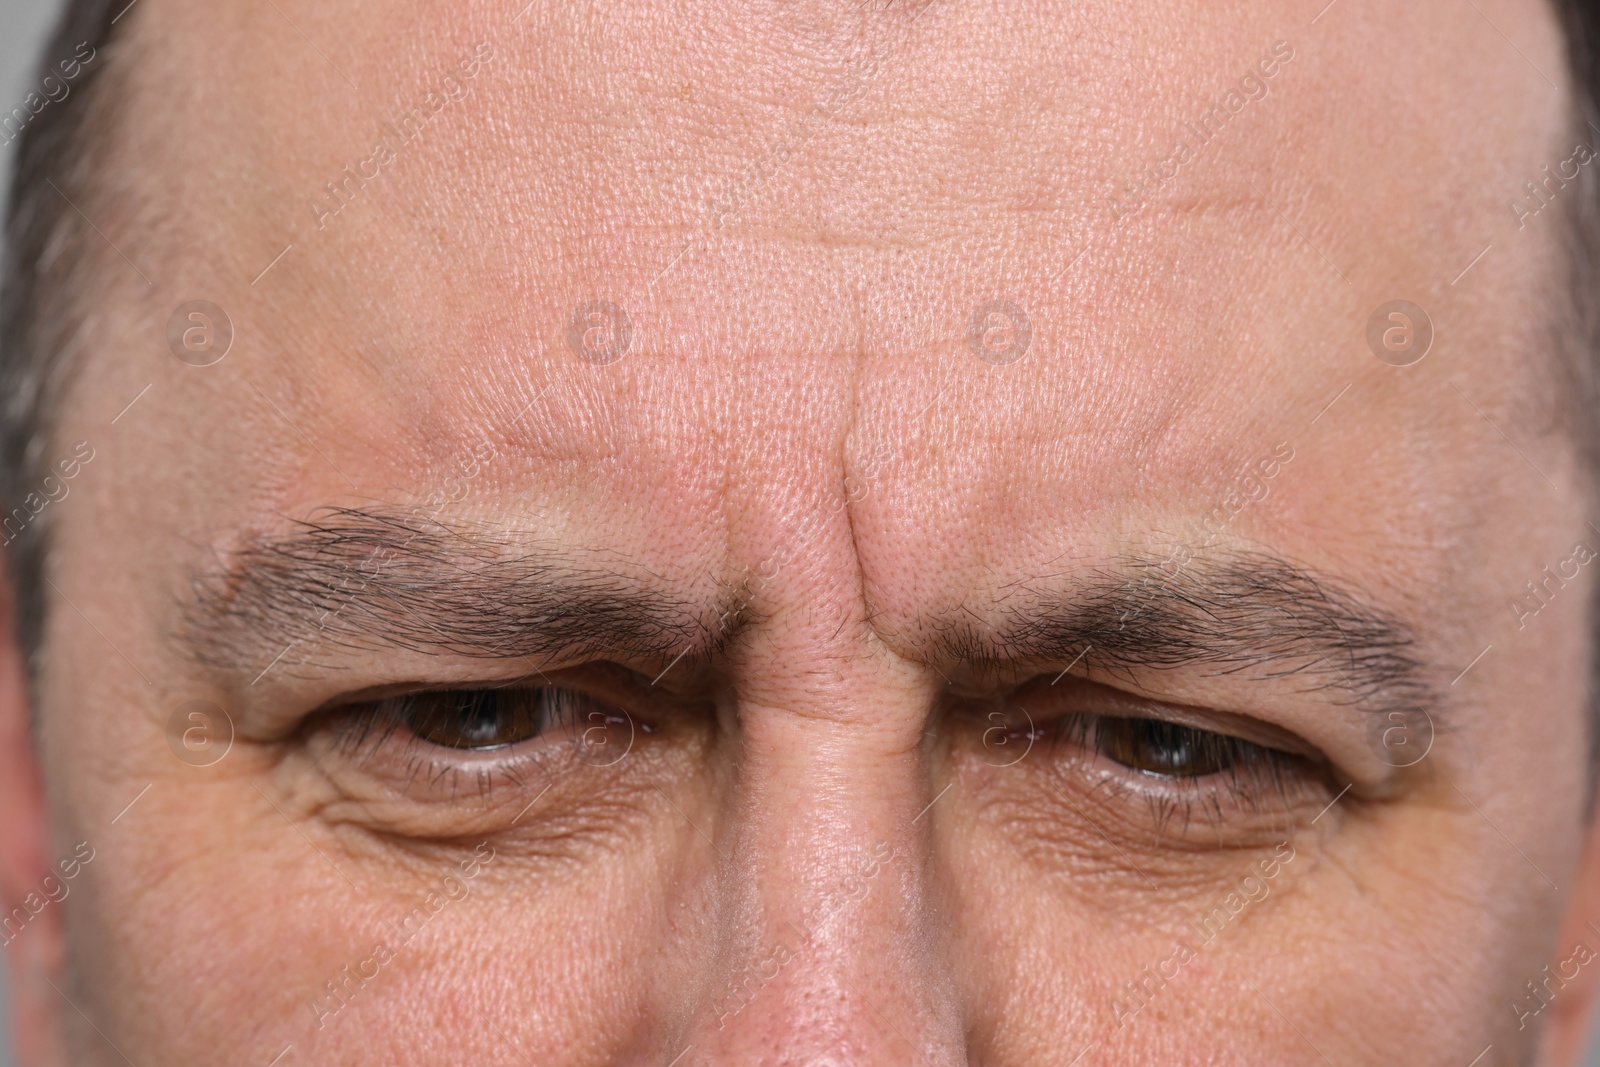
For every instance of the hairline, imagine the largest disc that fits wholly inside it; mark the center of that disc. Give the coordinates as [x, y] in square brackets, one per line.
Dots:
[48, 270]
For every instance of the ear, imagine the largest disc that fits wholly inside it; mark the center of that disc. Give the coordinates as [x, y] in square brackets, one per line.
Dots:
[1569, 1021]
[31, 944]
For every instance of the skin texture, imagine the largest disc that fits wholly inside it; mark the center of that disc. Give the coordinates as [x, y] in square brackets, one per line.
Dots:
[799, 207]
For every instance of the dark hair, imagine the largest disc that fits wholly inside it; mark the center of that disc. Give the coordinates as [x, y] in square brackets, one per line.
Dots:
[45, 260]
[1576, 326]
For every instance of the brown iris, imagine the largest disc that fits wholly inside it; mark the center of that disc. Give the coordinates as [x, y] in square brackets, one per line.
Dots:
[1165, 748]
[478, 718]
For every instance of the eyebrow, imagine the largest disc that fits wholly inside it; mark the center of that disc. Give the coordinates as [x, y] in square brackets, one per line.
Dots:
[358, 579]
[1249, 613]
[361, 579]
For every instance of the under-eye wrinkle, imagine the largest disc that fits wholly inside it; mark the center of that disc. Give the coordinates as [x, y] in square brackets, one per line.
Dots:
[1185, 774]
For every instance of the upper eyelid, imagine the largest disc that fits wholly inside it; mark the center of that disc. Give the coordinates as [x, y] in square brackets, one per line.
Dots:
[1088, 724]
[1090, 697]
[354, 723]
[1242, 746]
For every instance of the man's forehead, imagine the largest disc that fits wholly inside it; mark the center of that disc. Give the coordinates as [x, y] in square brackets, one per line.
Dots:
[803, 228]
[863, 155]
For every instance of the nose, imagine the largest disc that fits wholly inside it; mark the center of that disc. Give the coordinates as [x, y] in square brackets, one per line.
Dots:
[829, 948]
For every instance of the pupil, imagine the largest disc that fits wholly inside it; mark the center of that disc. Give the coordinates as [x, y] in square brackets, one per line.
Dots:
[481, 719]
[1165, 748]
[474, 718]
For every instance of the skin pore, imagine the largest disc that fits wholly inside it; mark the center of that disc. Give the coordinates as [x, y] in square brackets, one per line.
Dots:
[789, 689]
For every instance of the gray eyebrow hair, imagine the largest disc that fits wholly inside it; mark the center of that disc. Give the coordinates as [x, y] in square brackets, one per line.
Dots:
[360, 579]
[1236, 612]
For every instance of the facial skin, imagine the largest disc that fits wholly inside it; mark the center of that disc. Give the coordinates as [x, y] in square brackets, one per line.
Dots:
[811, 563]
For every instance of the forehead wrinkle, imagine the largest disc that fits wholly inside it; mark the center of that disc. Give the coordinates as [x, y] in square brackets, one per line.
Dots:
[361, 579]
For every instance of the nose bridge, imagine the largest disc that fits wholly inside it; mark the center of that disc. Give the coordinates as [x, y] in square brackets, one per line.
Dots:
[826, 946]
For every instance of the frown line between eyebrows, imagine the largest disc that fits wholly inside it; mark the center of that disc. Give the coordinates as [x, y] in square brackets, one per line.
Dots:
[356, 580]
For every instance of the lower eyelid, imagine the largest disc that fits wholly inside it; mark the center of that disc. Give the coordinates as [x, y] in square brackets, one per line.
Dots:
[523, 761]
[378, 743]
[1264, 793]
[544, 795]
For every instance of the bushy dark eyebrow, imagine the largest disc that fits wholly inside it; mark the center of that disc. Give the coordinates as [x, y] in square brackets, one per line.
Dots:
[363, 579]
[1235, 612]
[353, 578]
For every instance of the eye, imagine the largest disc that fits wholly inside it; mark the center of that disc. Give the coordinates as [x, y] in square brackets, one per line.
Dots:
[1169, 749]
[1083, 776]
[1160, 751]
[1160, 742]
[441, 761]
[480, 719]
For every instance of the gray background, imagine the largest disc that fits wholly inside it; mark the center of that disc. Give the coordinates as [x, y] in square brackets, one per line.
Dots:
[23, 26]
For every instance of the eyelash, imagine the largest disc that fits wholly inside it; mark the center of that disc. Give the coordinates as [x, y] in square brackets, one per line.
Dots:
[1252, 779]
[365, 730]
[1241, 779]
